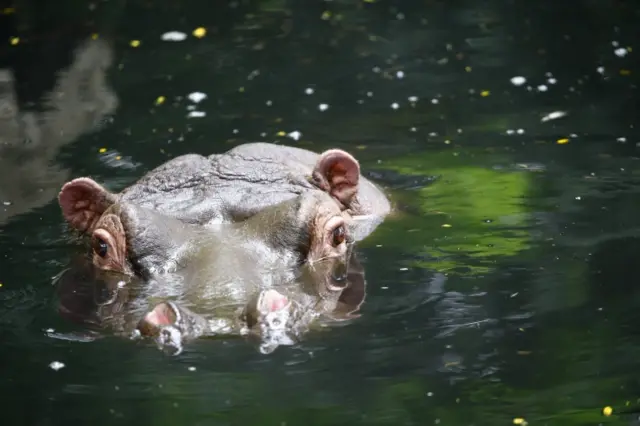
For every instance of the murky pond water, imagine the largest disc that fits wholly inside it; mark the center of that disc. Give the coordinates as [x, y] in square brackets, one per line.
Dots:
[502, 290]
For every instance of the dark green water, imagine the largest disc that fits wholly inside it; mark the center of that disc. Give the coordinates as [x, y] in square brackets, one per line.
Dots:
[506, 286]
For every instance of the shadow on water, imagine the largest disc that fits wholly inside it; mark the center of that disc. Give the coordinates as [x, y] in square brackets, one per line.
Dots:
[505, 132]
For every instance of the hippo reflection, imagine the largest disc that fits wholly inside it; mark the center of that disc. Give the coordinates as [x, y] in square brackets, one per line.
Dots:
[104, 301]
[238, 184]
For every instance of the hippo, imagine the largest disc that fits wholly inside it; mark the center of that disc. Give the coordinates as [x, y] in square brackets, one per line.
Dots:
[301, 245]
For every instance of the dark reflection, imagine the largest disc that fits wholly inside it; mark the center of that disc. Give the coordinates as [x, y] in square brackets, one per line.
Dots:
[108, 303]
[30, 139]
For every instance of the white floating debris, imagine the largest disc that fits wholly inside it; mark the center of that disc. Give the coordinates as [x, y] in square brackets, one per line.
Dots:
[49, 330]
[323, 107]
[395, 105]
[370, 94]
[553, 116]
[400, 74]
[578, 198]
[173, 36]
[269, 103]
[309, 91]
[542, 88]
[433, 134]
[197, 96]
[621, 139]
[615, 43]
[434, 101]
[621, 52]
[413, 99]
[600, 70]
[235, 131]
[56, 365]
[376, 69]
[552, 80]
[518, 80]
[295, 135]
[253, 74]
[510, 131]
[413, 129]
[520, 131]
[404, 269]
[192, 368]
[196, 114]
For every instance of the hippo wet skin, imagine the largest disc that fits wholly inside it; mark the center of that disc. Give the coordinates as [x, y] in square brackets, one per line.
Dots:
[215, 269]
[236, 185]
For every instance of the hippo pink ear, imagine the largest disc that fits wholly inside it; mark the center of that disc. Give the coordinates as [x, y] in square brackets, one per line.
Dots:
[83, 201]
[337, 172]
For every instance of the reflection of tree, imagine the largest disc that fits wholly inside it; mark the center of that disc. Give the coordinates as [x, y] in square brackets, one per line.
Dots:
[29, 140]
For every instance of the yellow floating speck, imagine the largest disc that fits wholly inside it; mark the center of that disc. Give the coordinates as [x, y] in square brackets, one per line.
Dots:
[325, 15]
[467, 68]
[446, 225]
[160, 100]
[134, 43]
[281, 133]
[14, 40]
[625, 72]
[361, 147]
[485, 93]
[94, 36]
[118, 158]
[562, 141]
[102, 150]
[199, 32]
[0, 284]
[241, 89]
[519, 421]
[607, 411]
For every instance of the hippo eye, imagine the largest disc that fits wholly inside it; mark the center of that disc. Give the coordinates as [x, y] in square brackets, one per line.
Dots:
[339, 235]
[99, 247]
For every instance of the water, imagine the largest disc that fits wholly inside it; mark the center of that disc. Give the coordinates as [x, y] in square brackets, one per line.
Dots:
[504, 287]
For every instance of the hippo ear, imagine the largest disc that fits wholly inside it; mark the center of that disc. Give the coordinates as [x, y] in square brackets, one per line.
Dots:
[337, 172]
[83, 201]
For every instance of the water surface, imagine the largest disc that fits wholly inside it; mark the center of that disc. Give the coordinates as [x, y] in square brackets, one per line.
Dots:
[503, 288]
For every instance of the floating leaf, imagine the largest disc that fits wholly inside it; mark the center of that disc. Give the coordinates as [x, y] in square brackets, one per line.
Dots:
[199, 32]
